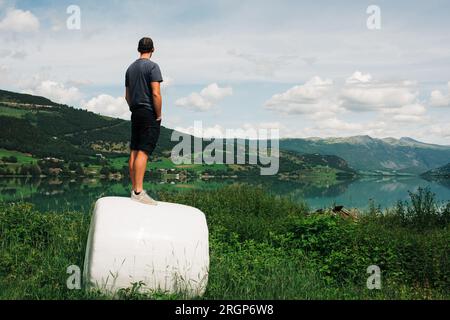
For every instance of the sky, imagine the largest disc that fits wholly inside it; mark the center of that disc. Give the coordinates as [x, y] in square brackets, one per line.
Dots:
[309, 68]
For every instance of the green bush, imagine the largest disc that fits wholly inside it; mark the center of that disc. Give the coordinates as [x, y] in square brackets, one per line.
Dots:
[422, 212]
[10, 159]
[249, 212]
[329, 241]
[343, 249]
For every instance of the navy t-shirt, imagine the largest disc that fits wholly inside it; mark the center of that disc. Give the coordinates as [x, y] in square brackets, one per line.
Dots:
[137, 79]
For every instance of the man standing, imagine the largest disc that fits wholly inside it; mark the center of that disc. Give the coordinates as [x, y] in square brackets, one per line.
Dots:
[142, 82]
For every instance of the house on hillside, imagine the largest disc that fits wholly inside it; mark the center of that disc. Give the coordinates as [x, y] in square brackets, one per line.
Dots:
[52, 159]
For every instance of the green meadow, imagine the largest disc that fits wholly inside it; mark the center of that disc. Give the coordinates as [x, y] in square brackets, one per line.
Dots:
[12, 112]
[22, 158]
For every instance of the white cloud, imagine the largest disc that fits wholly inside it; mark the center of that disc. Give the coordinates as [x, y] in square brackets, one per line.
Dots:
[322, 101]
[17, 20]
[361, 93]
[408, 113]
[206, 99]
[109, 106]
[394, 101]
[55, 91]
[438, 99]
[4, 74]
[314, 98]
[440, 130]
[310, 92]
[359, 77]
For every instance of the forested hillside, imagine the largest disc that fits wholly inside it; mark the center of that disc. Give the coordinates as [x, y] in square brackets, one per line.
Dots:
[42, 128]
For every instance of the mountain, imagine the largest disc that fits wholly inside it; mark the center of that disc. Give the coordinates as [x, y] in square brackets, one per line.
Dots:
[43, 128]
[11, 98]
[365, 153]
[441, 172]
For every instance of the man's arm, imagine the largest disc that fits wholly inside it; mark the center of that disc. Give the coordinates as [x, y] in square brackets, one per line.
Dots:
[127, 96]
[157, 100]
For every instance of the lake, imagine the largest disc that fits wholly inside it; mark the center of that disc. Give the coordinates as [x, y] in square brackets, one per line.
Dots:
[60, 195]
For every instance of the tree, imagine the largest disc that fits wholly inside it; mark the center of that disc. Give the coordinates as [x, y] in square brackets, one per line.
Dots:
[72, 166]
[10, 159]
[24, 170]
[79, 170]
[104, 171]
[35, 170]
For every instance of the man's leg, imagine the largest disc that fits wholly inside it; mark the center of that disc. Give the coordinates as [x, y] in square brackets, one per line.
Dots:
[139, 166]
[133, 155]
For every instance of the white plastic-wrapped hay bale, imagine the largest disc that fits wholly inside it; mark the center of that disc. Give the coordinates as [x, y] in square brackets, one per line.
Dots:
[164, 246]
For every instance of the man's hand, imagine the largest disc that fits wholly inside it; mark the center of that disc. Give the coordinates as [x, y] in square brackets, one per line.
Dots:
[157, 100]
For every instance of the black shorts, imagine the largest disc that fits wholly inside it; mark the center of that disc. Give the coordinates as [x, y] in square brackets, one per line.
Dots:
[144, 130]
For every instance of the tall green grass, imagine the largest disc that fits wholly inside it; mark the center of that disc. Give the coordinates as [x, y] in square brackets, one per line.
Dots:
[36, 249]
[261, 246]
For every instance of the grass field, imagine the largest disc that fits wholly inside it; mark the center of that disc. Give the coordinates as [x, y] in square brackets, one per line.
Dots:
[12, 112]
[21, 157]
[261, 247]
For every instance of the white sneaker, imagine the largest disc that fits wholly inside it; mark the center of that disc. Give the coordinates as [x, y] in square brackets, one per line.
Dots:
[143, 197]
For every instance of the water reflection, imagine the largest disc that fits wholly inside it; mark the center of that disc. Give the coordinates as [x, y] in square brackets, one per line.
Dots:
[59, 194]
[358, 193]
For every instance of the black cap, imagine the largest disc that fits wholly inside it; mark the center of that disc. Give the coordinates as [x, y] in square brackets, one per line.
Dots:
[145, 45]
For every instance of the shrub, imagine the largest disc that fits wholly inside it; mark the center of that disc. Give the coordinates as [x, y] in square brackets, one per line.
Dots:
[249, 212]
[10, 159]
[343, 249]
[422, 212]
